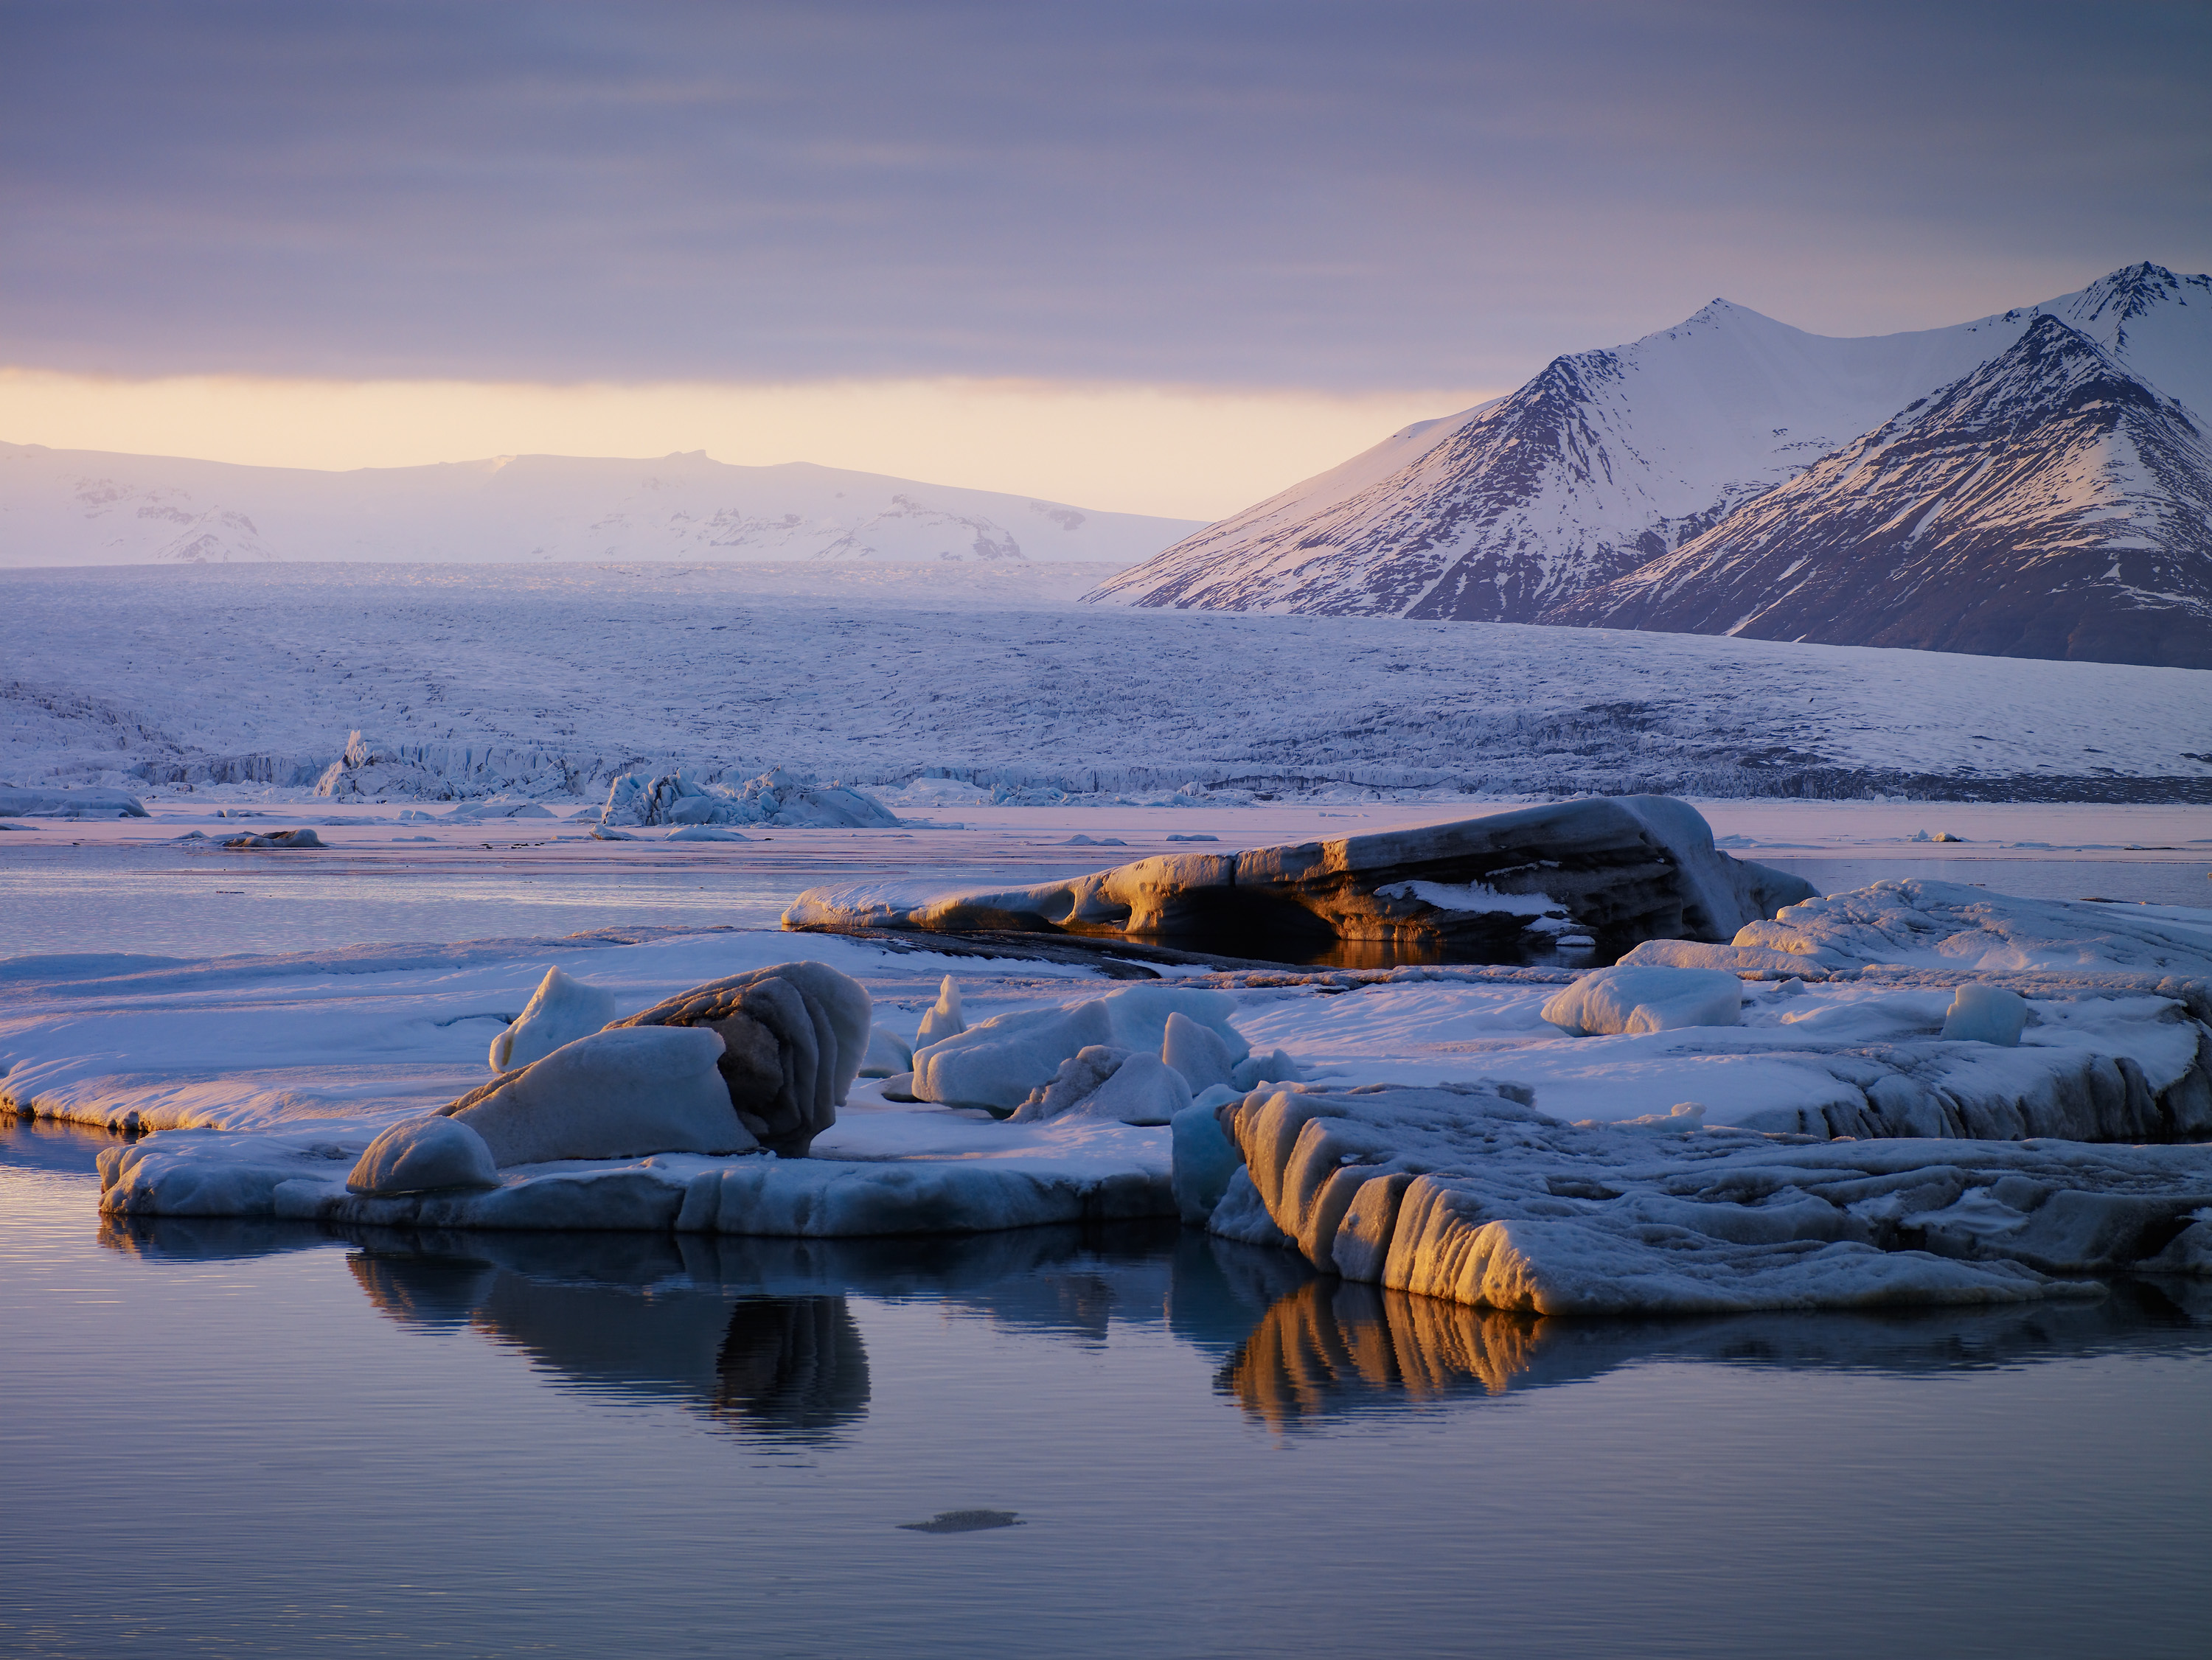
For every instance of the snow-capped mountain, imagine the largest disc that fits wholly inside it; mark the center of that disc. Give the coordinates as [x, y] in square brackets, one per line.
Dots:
[89, 507]
[1609, 459]
[2048, 504]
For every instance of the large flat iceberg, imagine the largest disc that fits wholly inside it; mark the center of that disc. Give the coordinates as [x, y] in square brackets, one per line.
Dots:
[1470, 1194]
[1610, 872]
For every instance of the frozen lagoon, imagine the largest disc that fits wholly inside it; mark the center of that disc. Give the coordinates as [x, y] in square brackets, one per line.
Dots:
[371, 1417]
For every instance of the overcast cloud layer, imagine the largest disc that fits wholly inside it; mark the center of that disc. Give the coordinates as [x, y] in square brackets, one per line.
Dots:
[1264, 194]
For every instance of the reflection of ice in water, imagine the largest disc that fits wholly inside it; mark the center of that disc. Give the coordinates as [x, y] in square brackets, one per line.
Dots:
[790, 1368]
[1333, 1347]
[793, 1365]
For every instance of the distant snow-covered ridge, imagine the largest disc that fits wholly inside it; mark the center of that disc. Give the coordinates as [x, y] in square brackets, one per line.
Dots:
[551, 683]
[90, 507]
[1610, 460]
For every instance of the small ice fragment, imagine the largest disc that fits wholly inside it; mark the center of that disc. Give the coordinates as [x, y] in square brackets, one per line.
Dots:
[965, 1521]
[944, 1020]
[1197, 1053]
[1985, 1014]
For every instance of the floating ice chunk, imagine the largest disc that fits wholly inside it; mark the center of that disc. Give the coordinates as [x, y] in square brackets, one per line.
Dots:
[1610, 1001]
[706, 833]
[998, 1063]
[1195, 1052]
[1473, 896]
[889, 1055]
[561, 1010]
[601, 832]
[1986, 1013]
[276, 839]
[1081, 840]
[615, 1094]
[23, 803]
[1198, 836]
[422, 1155]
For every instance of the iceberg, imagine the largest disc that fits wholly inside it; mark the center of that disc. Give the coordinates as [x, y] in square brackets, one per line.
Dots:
[1985, 1014]
[792, 1038]
[423, 1155]
[1616, 871]
[1467, 1194]
[17, 802]
[775, 797]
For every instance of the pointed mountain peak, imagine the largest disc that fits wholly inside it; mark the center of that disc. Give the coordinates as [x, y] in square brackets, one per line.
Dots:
[2130, 292]
[1718, 310]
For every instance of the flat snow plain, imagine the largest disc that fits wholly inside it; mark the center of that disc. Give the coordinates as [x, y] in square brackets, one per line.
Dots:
[877, 674]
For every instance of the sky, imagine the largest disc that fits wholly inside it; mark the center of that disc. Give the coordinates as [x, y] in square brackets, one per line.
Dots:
[1157, 257]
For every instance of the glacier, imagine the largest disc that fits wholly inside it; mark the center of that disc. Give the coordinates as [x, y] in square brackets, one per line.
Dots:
[494, 681]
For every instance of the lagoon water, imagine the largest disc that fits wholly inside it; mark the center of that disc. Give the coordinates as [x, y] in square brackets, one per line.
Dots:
[167, 901]
[255, 1439]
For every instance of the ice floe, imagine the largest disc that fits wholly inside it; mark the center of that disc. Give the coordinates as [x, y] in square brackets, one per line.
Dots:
[1469, 1195]
[1642, 1166]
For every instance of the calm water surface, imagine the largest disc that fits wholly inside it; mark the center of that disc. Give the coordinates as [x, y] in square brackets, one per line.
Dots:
[163, 902]
[240, 1439]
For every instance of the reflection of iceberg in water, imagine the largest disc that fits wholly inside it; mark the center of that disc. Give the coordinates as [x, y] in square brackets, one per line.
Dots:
[635, 1318]
[1332, 1347]
[794, 1364]
[759, 1334]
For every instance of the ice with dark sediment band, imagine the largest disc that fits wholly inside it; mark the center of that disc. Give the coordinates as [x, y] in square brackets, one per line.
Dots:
[1614, 871]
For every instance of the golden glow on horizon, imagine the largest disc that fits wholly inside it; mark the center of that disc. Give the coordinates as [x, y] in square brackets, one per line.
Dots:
[1184, 452]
